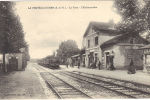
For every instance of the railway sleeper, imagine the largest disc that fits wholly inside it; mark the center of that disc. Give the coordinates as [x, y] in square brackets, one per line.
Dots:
[59, 85]
[84, 95]
[103, 86]
[71, 93]
[117, 88]
[132, 93]
[74, 96]
[63, 88]
[127, 84]
[121, 85]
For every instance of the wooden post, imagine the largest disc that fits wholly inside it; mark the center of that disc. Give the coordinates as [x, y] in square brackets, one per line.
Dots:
[4, 63]
[144, 62]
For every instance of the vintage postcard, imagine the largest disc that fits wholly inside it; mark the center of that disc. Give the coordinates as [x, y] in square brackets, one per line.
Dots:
[80, 49]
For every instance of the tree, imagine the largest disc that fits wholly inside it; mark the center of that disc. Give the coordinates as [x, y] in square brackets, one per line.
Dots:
[67, 49]
[135, 15]
[135, 19]
[11, 31]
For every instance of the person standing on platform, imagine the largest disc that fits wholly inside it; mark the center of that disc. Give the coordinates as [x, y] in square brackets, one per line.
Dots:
[98, 64]
[67, 62]
[131, 68]
[78, 62]
[111, 57]
[70, 62]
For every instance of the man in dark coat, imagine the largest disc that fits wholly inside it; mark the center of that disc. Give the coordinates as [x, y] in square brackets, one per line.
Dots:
[111, 58]
[131, 68]
[78, 62]
[98, 64]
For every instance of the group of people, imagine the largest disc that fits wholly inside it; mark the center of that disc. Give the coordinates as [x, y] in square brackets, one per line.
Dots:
[71, 63]
[110, 61]
[95, 64]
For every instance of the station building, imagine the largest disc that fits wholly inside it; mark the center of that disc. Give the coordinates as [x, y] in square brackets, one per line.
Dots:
[101, 40]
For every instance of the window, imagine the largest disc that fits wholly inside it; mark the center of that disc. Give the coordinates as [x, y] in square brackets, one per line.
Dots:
[88, 43]
[96, 40]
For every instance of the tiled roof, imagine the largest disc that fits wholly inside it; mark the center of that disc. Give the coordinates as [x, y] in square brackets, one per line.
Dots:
[112, 41]
[100, 26]
[117, 39]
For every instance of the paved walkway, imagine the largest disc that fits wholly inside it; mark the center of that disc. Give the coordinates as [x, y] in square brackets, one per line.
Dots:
[23, 85]
[138, 77]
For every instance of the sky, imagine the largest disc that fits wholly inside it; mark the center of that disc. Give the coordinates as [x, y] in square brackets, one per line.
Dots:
[46, 28]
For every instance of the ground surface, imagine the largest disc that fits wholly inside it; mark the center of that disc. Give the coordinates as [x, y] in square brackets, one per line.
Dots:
[29, 84]
[23, 85]
[139, 76]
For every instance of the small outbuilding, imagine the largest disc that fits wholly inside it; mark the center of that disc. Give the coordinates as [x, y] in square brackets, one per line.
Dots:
[124, 48]
[15, 61]
[146, 58]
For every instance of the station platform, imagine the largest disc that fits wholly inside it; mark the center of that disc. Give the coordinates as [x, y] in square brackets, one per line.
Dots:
[139, 77]
[24, 85]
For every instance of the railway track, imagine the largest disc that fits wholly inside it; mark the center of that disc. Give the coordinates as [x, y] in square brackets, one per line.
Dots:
[40, 68]
[114, 87]
[133, 85]
[61, 88]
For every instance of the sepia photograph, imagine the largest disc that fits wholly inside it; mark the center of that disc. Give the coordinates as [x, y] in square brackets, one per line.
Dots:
[75, 49]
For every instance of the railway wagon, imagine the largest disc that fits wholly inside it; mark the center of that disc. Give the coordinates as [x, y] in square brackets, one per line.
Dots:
[49, 63]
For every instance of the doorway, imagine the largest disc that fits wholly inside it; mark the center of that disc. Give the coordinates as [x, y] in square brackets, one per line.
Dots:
[107, 60]
[91, 58]
[13, 63]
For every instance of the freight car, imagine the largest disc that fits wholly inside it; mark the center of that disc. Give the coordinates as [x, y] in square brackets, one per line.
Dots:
[51, 63]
